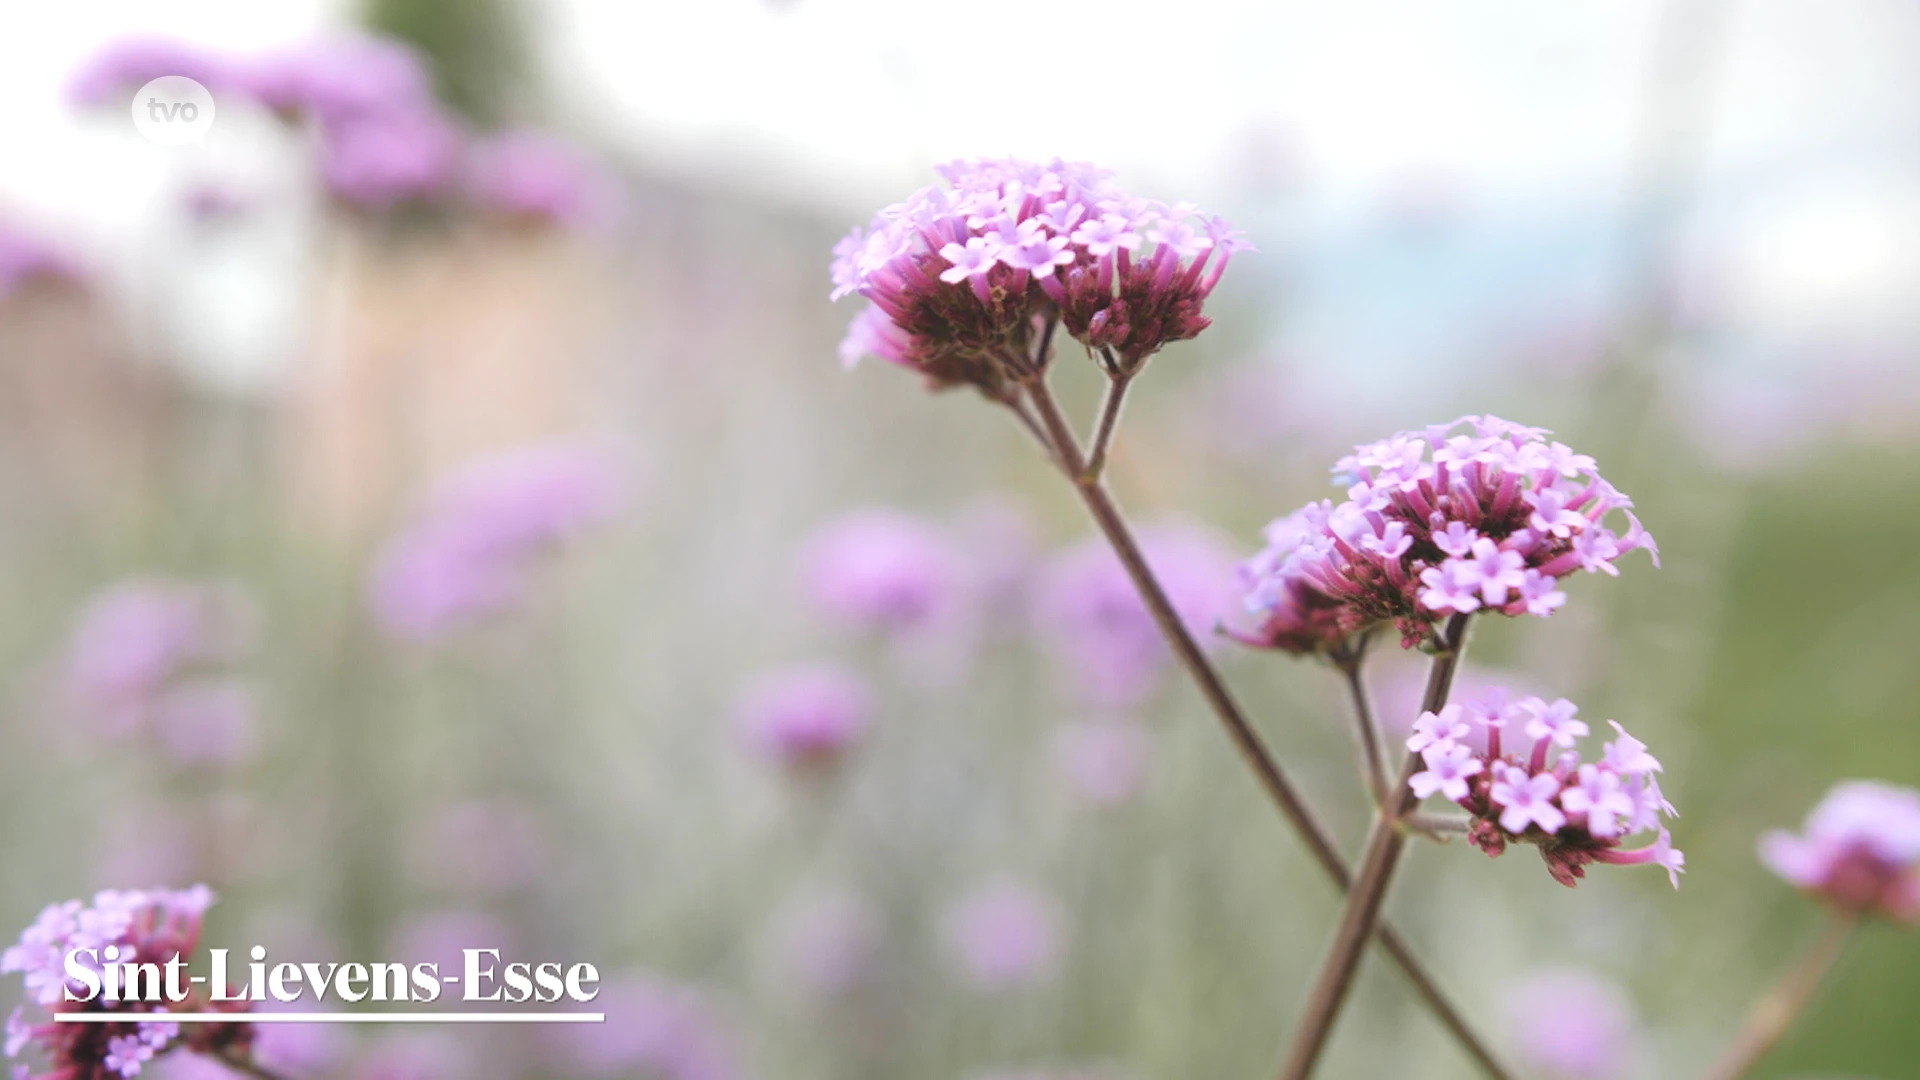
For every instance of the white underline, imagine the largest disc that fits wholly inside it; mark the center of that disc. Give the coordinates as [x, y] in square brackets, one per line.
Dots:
[328, 1018]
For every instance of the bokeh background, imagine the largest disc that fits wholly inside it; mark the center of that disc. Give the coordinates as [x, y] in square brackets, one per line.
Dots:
[428, 548]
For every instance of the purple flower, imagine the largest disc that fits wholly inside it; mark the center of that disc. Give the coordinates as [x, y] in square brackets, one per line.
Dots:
[146, 926]
[1003, 935]
[1449, 765]
[1571, 1025]
[806, 717]
[378, 160]
[472, 552]
[1092, 617]
[27, 258]
[1527, 800]
[1104, 760]
[337, 80]
[530, 176]
[881, 569]
[873, 334]
[480, 846]
[1437, 524]
[1860, 850]
[136, 639]
[962, 269]
[123, 67]
[1575, 813]
[1438, 729]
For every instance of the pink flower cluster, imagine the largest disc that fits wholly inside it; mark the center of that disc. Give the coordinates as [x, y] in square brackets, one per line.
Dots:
[1576, 812]
[1437, 522]
[959, 275]
[1860, 851]
[147, 926]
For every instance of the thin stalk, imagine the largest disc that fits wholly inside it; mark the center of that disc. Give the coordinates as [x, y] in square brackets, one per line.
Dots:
[1109, 419]
[1385, 843]
[1107, 517]
[1776, 1012]
[1373, 764]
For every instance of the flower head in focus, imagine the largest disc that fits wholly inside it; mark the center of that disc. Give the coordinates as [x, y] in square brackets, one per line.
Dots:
[144, 926]
[1514, 767]
[1859, 852]
[806, 717]
[473, 551]
[966, 273]
[1437, 523]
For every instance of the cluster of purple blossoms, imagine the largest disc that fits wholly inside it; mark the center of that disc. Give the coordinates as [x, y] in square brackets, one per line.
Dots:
[1436, 523]
[535, 178]
[146, 926]
[474, 550]
[963, 276]
[1541, 793]
[157, 654]
[1004, 934]
[27, 258]
[1860, 852]
[882, 570]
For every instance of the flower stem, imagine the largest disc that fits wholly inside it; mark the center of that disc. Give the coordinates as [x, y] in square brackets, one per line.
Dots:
[1109, 419]
[1776, 1012]
[1385, 843]
[1113, 525]
[1373, 766]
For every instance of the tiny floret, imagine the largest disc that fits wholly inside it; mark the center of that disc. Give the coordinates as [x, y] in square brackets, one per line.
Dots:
[1859, 851]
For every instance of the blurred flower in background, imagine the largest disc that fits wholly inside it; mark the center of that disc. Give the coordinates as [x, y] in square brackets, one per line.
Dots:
[1860, 851]
[1004, 934]
[805, 718]
[1572, 1025]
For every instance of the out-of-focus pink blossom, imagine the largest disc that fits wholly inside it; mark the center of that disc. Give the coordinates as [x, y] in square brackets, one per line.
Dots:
[28, 258]
[881, 570]
[1860, 850]
[336, 80]
[806, 717]
[830, 944]
[207, 723]
[1105, 761]
[473, 550]
[1570, 1025]
[1091, 616]
[112, 74]
[382, 159]
[1004, 934]
[532, 176]
[654, 1027]
[138, 639]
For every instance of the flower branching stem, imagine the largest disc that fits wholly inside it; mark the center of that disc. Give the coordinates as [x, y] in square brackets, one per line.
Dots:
[1783, 1004]
[1373, 763]
[1064, 448]
[1385, 843]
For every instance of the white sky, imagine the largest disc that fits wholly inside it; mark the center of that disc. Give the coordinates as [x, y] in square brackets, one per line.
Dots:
[1523, 108]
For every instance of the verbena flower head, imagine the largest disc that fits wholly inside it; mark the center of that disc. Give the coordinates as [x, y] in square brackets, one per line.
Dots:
[1437, 522]
[27, 258]
[1860, 851]
[1092, 617]
[830, 944]
[806, 717]
[146, 926]
[1516, 768]
[377, 161]
[1004, 934]
[963, 273]
[1105, 761]
[473, 551]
